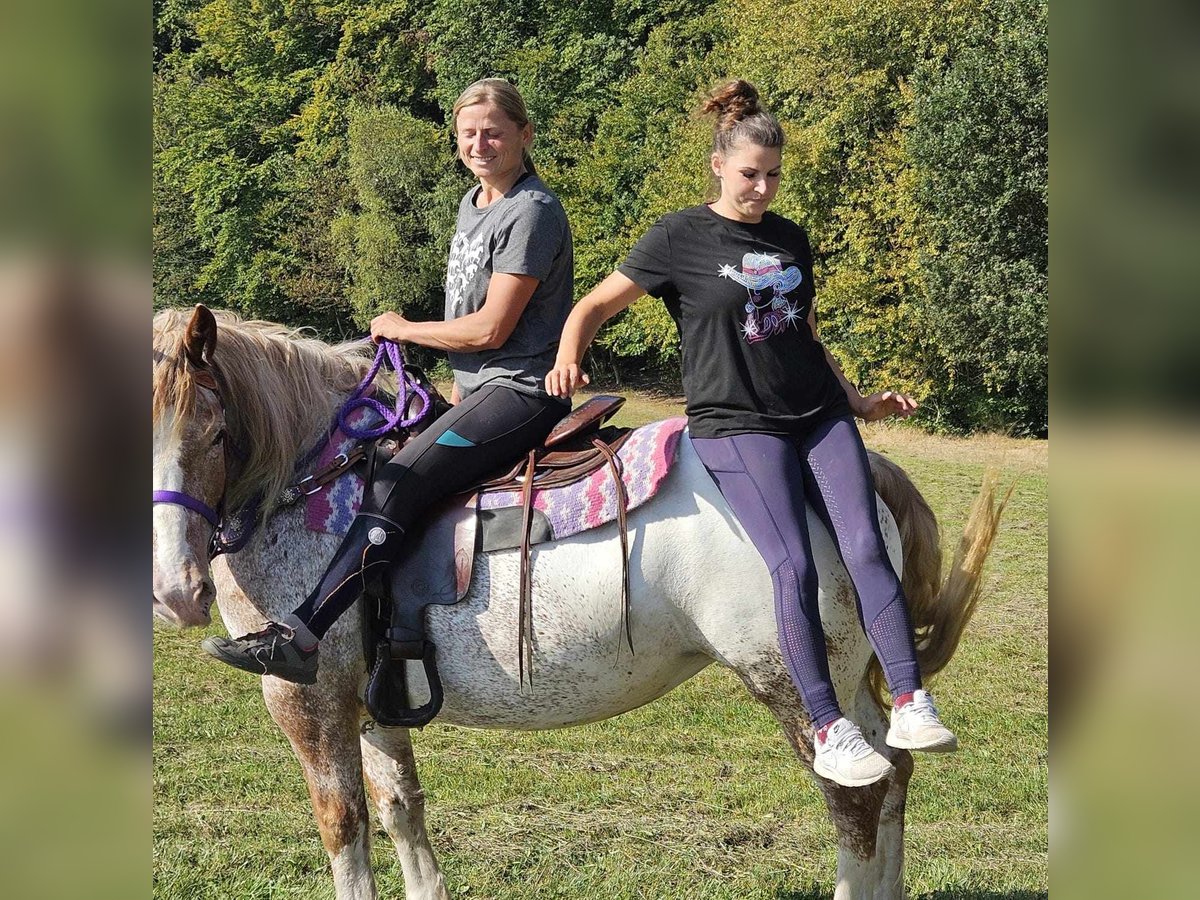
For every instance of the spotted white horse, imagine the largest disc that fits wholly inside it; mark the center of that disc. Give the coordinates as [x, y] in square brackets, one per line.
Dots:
[699, 594]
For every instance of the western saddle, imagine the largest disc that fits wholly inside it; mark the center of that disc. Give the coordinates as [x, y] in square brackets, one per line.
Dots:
[437, 568]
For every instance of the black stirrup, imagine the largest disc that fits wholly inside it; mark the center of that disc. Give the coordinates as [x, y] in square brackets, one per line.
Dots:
[387, 688]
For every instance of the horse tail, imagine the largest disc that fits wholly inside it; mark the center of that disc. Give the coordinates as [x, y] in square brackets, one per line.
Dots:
[940, 610]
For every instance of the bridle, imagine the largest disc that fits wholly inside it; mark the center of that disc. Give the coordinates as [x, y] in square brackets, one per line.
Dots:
[209, 378]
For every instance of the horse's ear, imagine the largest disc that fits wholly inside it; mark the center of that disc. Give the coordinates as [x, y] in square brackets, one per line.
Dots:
[200, 340]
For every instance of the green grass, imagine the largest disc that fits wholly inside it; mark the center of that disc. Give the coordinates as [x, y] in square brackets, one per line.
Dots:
[695, 796]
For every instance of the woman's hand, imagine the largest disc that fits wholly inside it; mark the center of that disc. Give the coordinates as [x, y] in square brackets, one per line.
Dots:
[883, 404]
[389, 327]
[564, 379]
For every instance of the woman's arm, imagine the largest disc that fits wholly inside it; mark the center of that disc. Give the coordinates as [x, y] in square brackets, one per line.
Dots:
[609, 297]
[879, 405]
[487, 329]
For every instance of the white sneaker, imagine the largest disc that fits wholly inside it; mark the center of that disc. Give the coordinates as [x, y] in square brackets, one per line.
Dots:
[916, 726]
[845, 756]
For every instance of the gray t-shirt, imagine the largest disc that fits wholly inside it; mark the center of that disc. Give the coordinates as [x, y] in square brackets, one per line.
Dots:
[523, 233]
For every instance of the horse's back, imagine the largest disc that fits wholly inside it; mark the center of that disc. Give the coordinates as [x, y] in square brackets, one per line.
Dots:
[699, 590]
[583, 668]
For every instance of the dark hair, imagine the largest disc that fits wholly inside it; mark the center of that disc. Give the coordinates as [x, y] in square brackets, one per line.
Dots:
[740, 117]
[505, 96]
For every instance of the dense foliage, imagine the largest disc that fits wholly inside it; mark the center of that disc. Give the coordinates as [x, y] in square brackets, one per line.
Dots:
[304, 170]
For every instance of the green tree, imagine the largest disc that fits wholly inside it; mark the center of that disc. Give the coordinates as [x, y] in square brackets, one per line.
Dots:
[979, 142]
[303, 163]
[393, 244]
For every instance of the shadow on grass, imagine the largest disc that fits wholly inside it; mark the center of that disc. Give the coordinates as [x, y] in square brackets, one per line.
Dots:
[814, 893]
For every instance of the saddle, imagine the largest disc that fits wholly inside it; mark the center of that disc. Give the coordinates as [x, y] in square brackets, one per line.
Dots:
[435, 569]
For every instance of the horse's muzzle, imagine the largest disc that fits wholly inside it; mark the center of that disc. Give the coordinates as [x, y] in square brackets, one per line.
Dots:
[195, 612]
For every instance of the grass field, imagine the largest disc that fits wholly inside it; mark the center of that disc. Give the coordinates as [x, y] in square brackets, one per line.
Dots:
[695, 796]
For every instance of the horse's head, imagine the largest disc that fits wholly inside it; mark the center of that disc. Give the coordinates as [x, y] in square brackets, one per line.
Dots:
[190, 469]
[230, 431]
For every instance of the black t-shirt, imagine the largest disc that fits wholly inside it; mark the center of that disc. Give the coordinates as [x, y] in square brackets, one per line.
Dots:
[740, 294]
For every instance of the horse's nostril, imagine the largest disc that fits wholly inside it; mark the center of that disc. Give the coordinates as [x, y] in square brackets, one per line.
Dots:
[205, 594]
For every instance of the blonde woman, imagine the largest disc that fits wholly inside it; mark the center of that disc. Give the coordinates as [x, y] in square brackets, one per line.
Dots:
[508, 293]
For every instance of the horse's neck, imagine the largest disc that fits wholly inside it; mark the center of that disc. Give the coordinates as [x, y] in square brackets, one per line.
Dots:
[267, 579]
[297, 455]
[322, 429]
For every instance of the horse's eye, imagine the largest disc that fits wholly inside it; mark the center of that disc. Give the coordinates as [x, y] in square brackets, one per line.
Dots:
[219, 438]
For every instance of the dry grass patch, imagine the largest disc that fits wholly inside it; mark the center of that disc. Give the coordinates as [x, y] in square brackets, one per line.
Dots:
[1003, 452]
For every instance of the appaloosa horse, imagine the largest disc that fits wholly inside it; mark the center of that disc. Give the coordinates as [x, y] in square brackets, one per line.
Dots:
[236, 403]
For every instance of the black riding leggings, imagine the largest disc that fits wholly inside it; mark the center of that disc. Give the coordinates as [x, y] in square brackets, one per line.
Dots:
[491, 427]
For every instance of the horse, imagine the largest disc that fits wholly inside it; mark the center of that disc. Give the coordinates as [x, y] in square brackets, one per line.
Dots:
[237, 403]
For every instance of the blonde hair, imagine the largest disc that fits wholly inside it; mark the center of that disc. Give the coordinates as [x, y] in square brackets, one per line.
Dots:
[505, 96]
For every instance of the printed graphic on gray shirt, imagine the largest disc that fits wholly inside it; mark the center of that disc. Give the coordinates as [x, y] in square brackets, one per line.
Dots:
[466, 256]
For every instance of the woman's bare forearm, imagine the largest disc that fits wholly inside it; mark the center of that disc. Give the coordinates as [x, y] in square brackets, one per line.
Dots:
[609, 297]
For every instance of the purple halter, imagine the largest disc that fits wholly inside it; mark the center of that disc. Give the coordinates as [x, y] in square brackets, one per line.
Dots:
[190, 502]
[234, 454]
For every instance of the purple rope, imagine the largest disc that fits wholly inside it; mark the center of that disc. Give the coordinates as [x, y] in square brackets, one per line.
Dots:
[392, 419]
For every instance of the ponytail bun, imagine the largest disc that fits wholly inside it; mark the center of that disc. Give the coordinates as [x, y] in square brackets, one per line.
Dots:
[731, 103]
[740, 116]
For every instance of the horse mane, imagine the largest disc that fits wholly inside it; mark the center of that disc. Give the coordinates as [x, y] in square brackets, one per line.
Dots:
[282, 387]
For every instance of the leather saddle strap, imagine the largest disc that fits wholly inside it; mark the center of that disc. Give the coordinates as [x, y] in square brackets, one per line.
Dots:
[614, 466]
[525, 611]
[336, 469]
[558, 467]
[319, 479]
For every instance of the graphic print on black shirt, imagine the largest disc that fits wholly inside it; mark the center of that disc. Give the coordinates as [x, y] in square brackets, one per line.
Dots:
[766, 317]
[740, 294]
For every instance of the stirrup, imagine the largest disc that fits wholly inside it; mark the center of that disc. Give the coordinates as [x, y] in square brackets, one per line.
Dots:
[382, 688]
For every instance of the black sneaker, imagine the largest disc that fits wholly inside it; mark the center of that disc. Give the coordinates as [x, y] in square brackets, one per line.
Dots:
[271, 651]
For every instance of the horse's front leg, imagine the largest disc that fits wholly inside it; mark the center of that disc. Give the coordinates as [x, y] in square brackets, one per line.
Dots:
[391, 774]
[870, 821]
[323, 731]
[856, 812]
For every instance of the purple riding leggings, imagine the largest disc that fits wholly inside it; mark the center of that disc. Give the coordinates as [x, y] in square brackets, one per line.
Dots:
[766, 479]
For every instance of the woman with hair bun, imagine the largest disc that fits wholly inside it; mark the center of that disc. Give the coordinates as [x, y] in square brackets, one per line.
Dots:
[508, 292]
[771, 416]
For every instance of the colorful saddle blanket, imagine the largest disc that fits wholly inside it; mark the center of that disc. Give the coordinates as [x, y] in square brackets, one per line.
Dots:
[331, 509]
[645, 458]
